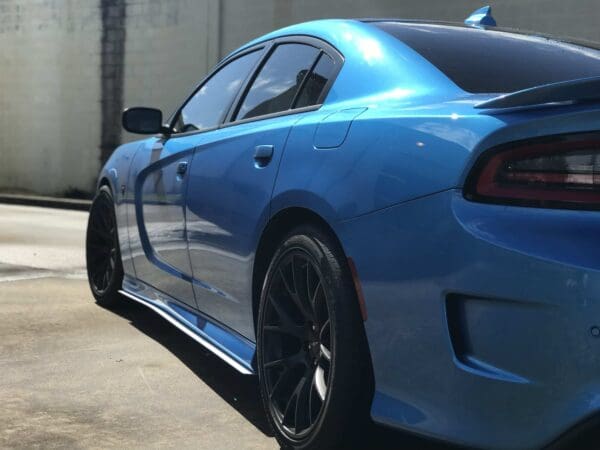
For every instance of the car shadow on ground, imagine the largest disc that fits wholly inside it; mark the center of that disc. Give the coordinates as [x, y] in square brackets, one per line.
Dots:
[241, 391]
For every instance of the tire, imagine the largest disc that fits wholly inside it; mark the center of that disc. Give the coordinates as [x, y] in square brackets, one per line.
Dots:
[313, 362]
[103, 256]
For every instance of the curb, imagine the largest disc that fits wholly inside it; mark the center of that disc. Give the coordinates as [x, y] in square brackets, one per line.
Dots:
[47, 202]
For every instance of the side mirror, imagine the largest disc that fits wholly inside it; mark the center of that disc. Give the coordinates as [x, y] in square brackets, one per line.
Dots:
[142, 120]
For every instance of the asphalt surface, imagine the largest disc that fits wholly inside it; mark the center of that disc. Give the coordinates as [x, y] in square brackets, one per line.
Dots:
[75, 375]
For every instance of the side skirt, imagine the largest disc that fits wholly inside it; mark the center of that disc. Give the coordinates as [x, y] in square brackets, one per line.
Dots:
[232, 348]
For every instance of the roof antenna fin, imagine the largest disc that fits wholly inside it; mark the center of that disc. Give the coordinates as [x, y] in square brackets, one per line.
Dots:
[481, 18]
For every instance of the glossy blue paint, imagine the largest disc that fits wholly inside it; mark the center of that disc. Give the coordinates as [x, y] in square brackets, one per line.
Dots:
[479, 315]
[524, 304]
[580, 90]
[481, 17]
[157, 217]
[331, 132]
[229, 198]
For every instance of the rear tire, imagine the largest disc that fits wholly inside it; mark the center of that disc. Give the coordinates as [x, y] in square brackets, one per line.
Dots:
[103, 256]
[313, 362]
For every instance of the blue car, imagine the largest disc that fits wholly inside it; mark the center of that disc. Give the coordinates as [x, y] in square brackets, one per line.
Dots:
[385, 220]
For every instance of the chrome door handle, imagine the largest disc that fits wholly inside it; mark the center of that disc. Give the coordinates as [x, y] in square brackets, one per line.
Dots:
[263, 154]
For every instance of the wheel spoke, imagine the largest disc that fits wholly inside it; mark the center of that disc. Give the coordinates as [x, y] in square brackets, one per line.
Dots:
[105, 279]
[280, 382]
[293, 330]
[313, 298]
[323, 330]
[302, 288]
[97, 278]
[287, 323]
[292, 403]
[319, 382]
[293, 293]
[302, 413]
[288, 361]
[311, 394]
[306, 292]
[325, 353]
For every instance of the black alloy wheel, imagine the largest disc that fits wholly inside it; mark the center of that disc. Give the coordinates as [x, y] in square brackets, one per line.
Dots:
[313, 362]
[104, 268]
[297, 346]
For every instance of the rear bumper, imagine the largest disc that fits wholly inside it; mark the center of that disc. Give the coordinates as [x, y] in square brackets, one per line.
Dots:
[481, 318]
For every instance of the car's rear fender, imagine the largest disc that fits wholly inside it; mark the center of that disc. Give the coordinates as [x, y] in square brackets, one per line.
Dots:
[386, 157]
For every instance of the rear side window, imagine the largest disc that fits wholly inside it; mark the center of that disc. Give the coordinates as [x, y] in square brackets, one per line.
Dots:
[210, 103]
[316, 82]
[487, 61]
[278, 81]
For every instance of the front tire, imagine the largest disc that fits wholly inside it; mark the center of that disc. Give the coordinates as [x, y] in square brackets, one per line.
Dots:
[313, 362]
[103, 257]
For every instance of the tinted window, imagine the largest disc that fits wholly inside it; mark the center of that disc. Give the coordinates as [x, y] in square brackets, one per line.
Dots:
[489, 61]
[207, 107]
[278, 81]
[317, 79]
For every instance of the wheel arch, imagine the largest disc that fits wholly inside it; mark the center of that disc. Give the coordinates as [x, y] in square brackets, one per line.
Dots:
[279, 225]
[104, 181]
[275, 230]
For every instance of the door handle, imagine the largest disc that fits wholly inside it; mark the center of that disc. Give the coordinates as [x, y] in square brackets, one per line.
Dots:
[263, 154]
[182, 168]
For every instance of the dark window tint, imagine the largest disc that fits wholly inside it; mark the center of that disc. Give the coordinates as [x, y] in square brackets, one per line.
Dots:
[486, 61]
[317, 79]
[207, 107]
[278, 81]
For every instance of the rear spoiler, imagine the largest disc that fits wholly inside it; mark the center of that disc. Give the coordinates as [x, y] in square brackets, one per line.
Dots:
[572, 91]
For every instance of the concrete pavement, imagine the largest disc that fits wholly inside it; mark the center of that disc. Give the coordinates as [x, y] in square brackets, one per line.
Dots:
[75, 375]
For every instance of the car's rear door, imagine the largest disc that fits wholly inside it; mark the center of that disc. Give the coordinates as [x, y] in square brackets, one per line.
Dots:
[231, 183]
[160, 171]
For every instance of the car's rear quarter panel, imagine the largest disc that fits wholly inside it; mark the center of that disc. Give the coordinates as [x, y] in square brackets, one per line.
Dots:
[479, 316]
[386, 158]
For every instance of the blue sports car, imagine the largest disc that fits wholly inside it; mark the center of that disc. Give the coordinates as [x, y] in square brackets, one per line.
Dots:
[384, 220]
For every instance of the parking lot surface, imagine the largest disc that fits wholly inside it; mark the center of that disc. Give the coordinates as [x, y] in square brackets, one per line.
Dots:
[75, 375]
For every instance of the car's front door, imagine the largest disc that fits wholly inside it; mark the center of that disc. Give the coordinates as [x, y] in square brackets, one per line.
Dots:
[156, 218]
[160, 172]
[231, 181]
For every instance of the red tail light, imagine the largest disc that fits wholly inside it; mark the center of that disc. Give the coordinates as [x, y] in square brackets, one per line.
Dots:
[553, 172]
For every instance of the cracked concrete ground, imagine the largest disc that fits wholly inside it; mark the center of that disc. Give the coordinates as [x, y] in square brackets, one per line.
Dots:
[75, 375]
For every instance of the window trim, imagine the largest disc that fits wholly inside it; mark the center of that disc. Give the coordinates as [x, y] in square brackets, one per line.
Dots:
[319, 44]
[261, 49]
[266, 48]
[327, 86]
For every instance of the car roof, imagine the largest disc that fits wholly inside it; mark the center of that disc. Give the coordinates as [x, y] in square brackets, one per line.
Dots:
[377, 62]
[369, 54]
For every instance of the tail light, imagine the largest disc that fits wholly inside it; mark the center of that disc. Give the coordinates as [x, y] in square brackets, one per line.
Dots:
[553, 172]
